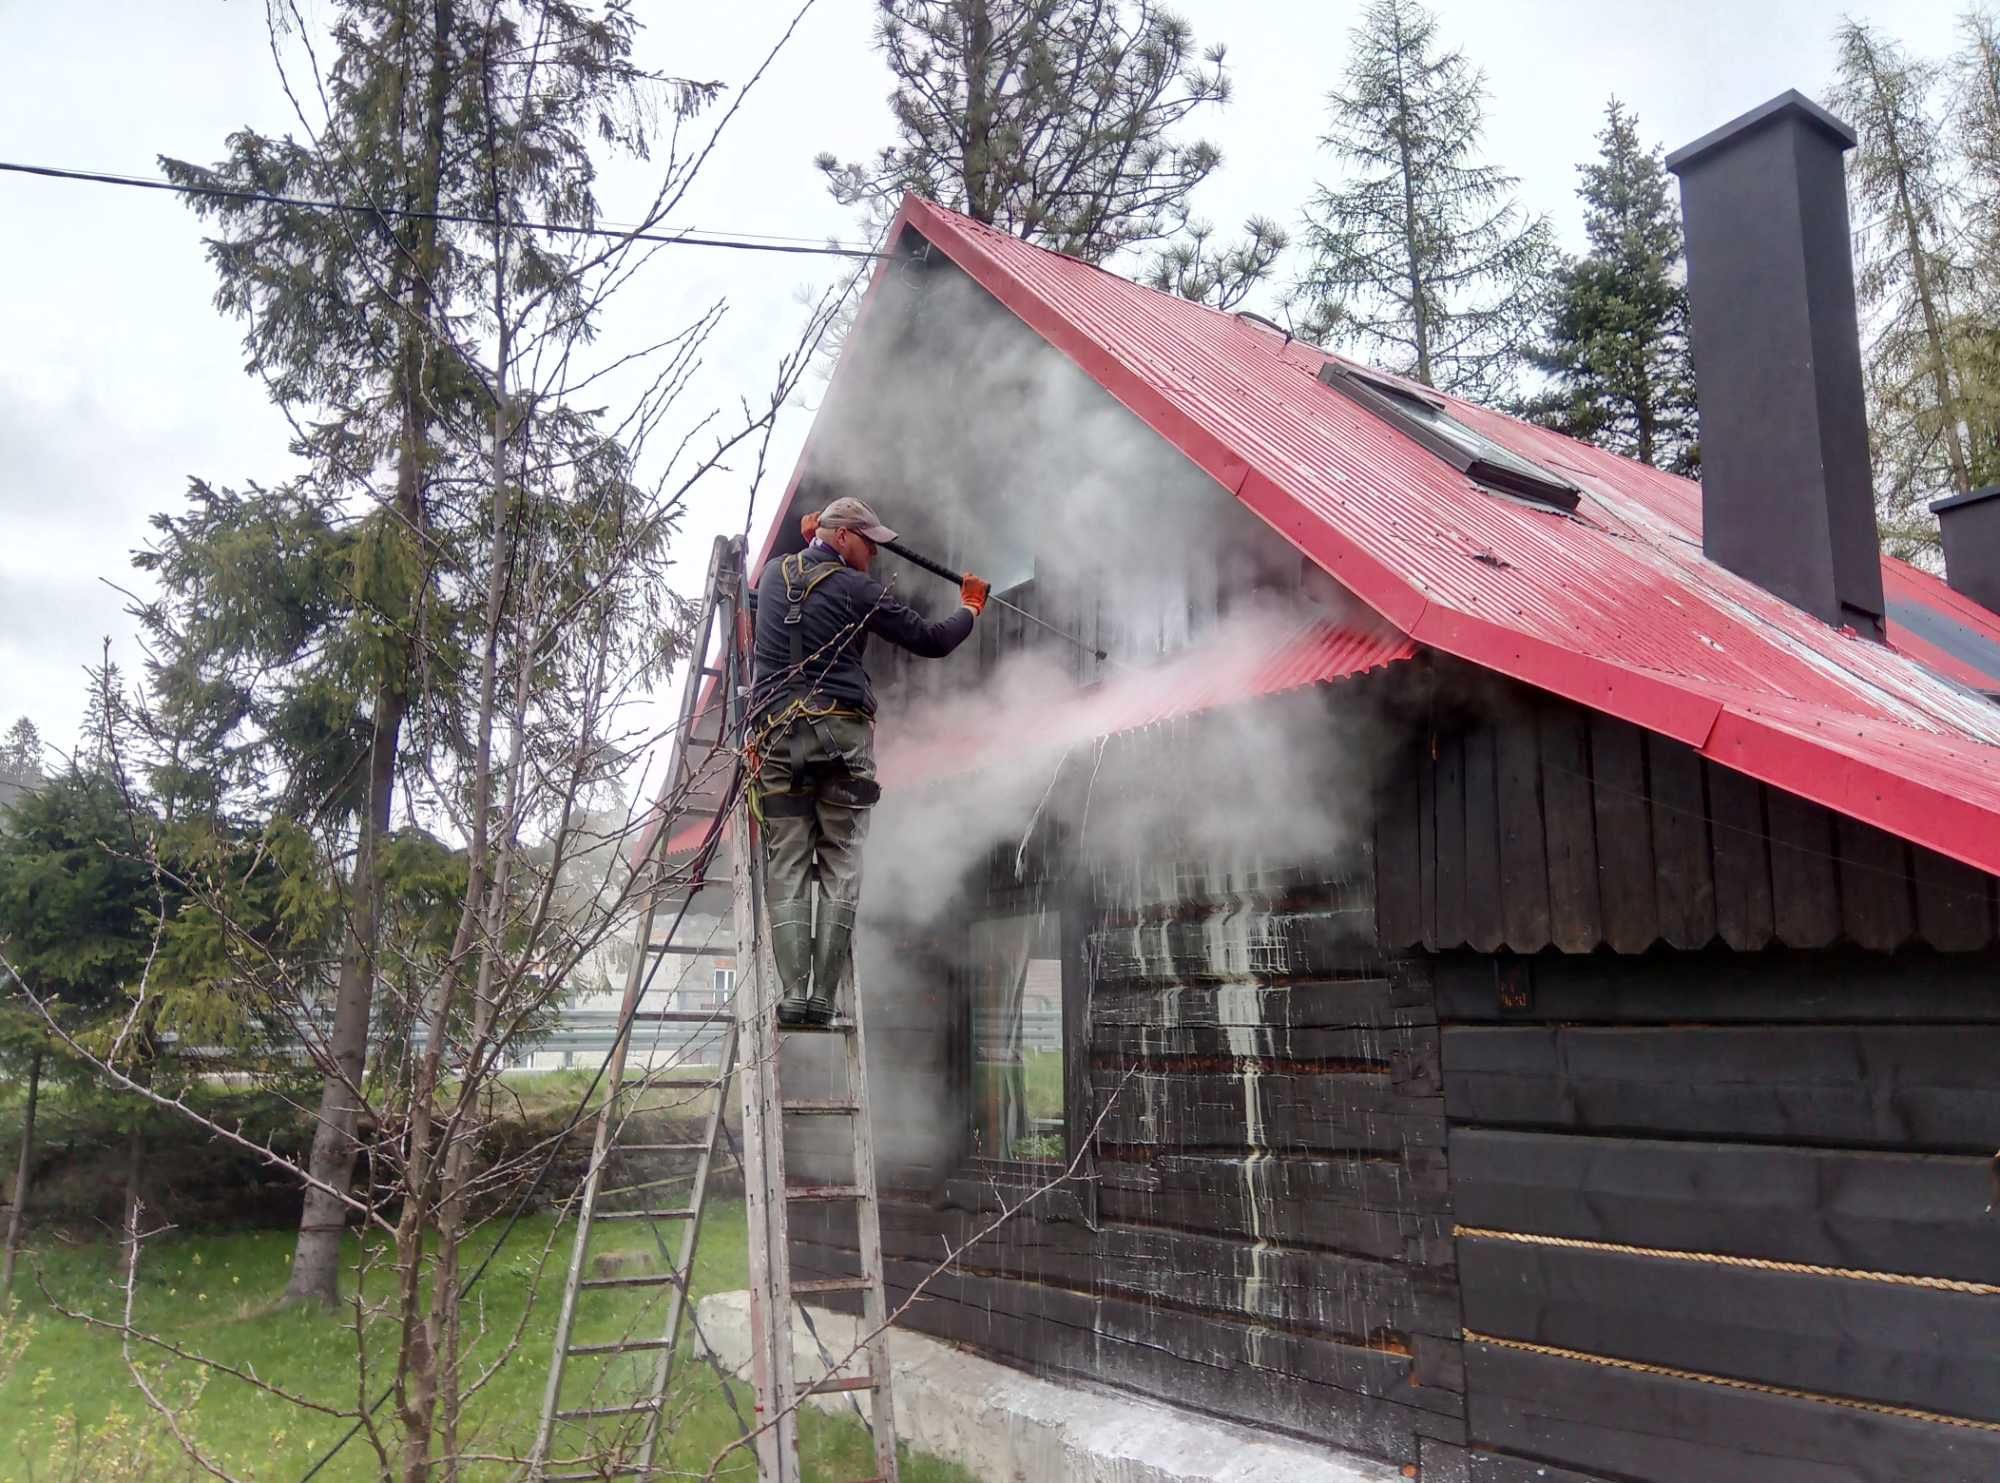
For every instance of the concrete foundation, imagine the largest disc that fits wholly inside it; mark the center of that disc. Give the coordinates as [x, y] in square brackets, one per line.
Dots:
[1009, 1427]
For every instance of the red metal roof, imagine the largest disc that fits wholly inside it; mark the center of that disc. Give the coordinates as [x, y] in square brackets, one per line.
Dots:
[1615, 608]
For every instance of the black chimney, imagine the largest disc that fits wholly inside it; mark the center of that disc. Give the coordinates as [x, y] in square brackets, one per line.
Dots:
[1787, 496]
[1970, 524]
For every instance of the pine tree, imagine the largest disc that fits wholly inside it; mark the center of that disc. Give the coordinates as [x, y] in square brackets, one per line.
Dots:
[1973, 338]
[20, 760]
[1908, 281]
[78, 909]
[1058, 122]
[313, 638]
[1616, 346]
[1421, 258]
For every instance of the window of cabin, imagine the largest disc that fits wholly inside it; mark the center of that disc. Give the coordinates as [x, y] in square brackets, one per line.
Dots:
[1016, 1005]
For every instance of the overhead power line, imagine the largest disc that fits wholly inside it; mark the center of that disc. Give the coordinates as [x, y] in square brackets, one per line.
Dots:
[458, 218]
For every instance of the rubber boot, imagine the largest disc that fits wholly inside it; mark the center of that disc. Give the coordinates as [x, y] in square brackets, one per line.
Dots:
[833, 944]
[792, 955]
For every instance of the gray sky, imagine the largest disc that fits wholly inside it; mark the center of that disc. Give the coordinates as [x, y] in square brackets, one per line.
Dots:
[118, 380]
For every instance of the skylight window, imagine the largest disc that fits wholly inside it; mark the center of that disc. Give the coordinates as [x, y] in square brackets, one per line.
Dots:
[1472, 453]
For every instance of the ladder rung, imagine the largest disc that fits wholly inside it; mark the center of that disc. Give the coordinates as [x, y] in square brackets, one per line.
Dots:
[711, 671]
[630, 1346]
[835, 1387]
[687, 949]
[585, 1413]
[670, 1083]
[832, 1027]
[818, 1107]
[645, 1184]
[683, 1017]
[656, 1279]
[629, 1470]
[643, 1215]
[824, 1192]
[830, 1284]
[659, 1148]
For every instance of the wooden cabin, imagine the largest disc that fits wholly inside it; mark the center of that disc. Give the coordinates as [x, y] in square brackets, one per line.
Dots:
[1498, 971]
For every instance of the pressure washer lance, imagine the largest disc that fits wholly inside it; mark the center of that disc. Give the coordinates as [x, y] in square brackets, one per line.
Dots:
[939, 569]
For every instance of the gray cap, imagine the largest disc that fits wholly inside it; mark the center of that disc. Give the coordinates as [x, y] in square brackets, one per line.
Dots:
[851, 514]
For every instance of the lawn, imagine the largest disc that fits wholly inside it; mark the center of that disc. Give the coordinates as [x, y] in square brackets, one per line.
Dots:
[68, 1410]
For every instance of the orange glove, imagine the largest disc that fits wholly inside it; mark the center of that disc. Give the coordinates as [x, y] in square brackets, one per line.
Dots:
[973, 593]
[809, 526]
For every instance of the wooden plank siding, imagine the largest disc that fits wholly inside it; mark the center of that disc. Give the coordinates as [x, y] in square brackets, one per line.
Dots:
[1264, 1230]
[1532, 822]
[1712, 1206]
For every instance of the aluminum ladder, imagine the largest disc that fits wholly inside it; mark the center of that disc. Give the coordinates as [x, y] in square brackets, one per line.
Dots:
[751, 1043]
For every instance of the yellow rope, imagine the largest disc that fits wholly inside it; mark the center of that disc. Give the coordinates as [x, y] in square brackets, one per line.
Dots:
[1730, 1383]
[1720, 1259]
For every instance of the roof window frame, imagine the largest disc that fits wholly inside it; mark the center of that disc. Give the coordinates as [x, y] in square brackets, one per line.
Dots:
[1529, 481]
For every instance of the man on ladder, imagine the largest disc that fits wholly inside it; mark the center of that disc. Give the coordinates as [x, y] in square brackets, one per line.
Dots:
[812, 715]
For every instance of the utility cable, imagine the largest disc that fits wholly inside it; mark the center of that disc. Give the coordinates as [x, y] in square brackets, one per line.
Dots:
[455, 218]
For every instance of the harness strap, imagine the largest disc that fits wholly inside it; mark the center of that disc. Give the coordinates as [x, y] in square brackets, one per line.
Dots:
[800, 580]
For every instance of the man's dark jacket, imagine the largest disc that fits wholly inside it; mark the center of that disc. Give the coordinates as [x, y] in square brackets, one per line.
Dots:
[835, 619]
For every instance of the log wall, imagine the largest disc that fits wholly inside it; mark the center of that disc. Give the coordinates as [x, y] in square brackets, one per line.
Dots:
[1261, 1227]
[1528, 822]
[1725, 1216]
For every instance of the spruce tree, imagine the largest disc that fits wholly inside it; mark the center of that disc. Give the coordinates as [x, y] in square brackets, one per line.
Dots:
[1616, 343]
[1420, 257]
[1973, 337]
[20, 761]
[1908, 279]
[313, 643]
[80, 906]
[1058, 121]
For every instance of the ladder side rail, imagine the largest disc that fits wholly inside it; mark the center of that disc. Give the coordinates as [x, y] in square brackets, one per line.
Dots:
[677, 1301]
[600, 1147]
[763, 1122]
[868, 1219]
[635, 979]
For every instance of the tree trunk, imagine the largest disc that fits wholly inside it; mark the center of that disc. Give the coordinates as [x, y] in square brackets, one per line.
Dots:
[23, 1170]
[316, 1259]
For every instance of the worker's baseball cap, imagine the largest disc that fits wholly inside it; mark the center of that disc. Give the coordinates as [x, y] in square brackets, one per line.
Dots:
[851, 514]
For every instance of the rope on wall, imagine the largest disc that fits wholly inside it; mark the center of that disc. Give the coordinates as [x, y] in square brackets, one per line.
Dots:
[1729, 1382]
[1721, 1259]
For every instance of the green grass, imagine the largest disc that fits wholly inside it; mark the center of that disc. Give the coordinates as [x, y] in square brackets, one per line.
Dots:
[1043, 1071]
[68, 1409]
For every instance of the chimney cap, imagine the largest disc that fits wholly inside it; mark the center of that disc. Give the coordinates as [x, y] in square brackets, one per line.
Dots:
[1953, 501]
[1790, 103]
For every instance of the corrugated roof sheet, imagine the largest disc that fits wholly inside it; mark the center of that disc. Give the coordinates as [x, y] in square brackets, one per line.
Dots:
[1614, 607]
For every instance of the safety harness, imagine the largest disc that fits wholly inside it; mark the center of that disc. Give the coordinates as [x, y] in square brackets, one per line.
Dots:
[800, 718]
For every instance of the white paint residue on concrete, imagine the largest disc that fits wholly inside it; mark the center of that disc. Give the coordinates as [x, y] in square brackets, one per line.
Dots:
[1009, 1427]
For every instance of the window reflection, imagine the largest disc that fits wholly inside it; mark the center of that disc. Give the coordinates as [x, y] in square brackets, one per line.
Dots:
[1017, 1037]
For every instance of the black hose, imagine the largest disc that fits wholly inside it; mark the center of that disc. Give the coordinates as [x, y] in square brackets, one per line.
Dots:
[939, 569]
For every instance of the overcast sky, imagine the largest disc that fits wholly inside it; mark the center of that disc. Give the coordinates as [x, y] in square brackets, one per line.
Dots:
[118, 380]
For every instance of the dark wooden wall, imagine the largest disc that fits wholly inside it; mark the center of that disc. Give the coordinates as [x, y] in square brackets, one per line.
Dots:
[1263, 1230]
[1524, 822]
[1653, 1116]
